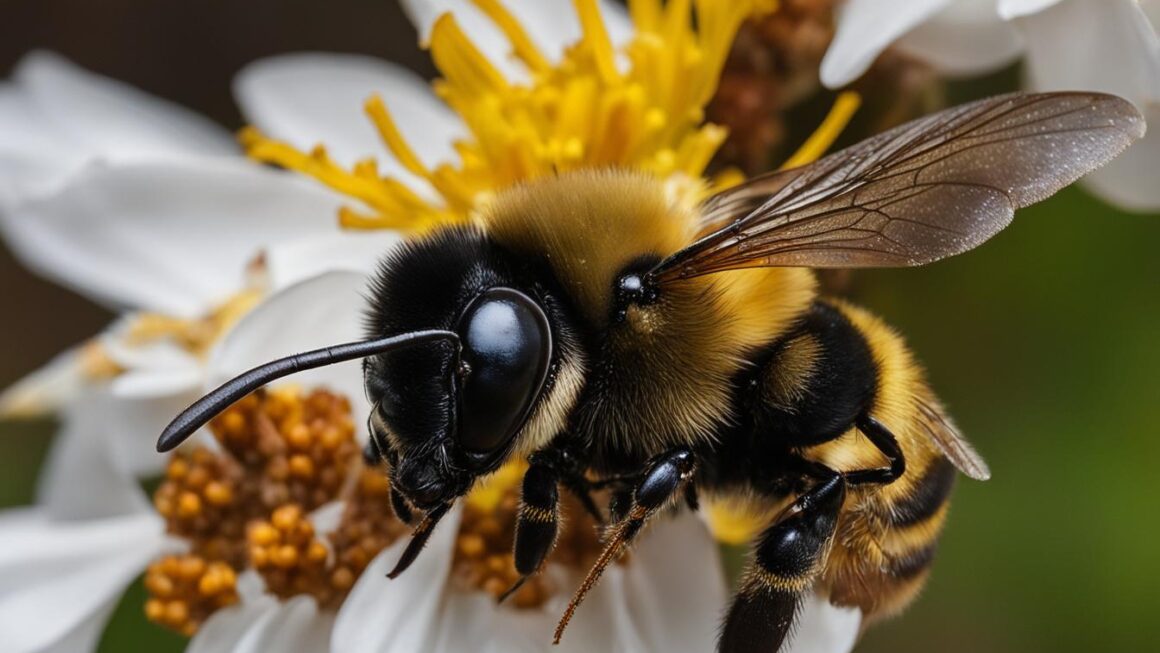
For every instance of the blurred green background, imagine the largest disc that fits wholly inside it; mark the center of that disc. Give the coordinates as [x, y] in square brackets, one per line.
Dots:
[1044, 344]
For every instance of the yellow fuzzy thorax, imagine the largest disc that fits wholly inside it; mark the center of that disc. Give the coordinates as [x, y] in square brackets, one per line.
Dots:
[666, 377]
[589, 225]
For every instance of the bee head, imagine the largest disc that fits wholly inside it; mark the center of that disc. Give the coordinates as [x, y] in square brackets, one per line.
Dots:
[464, 347]
[449, 412]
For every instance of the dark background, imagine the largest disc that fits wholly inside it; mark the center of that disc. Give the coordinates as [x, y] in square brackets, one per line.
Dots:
[1044, 343]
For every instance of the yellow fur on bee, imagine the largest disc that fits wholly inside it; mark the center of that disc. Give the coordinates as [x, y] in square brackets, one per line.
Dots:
[673, 360]
[868, 545]
[900, 385]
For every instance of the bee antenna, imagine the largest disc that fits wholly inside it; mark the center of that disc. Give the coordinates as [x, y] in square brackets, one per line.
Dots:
[209, 406]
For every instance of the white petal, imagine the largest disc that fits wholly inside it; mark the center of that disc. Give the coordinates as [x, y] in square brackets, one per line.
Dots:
[668, 598]
[133, 424]
[150, 384]
[398, 616]
[1152, 11]
[551, 24]
[114, 119]
[965, 38]
[824, 628]
[155, 369]
[865, 29]
[54, 577]
[311, 98]
[357, 251]
[225, 628]
[1099, 45]
[676, 587]
[82, 478]
[47, 389]
[327, 517]
[171, 238]
[291, 627]
[1109, 46]
[85, 636]
[324, 310]
[129, 353]
[34, 157]
[1129, 181]
[1009, 9]
[471, 621]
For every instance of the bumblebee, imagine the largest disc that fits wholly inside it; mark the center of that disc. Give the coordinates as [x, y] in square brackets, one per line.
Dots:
[617, 337]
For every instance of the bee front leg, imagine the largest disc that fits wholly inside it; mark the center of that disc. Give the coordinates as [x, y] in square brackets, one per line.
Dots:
[538, 521]
[563, 463]
[786, 562]
[665, 478]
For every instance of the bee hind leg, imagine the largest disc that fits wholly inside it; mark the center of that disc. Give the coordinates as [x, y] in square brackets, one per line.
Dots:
[787, 559]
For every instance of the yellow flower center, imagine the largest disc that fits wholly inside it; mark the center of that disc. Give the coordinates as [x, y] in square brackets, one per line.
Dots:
[642, 107]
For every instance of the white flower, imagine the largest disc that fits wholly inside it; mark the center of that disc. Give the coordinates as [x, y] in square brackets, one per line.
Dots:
[1098, 45]
[163, 219]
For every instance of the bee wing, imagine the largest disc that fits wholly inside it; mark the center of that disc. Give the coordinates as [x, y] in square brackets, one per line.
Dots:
[931, 188]
[724, 207]
[950, 442]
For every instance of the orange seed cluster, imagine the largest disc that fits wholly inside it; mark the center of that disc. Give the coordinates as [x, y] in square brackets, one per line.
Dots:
[202, 500]
[303, 447]
[184, 590]
[285, 551]
[367, 527]
[283, 453]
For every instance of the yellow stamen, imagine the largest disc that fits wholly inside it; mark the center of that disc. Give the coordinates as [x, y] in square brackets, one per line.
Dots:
[826, 133]
[390, 134]
[195, 335]
[596, 38]
[459, 59]
[580, 112]
[522, 44]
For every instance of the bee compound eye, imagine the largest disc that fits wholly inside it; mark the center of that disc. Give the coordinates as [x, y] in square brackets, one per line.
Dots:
[507, 346]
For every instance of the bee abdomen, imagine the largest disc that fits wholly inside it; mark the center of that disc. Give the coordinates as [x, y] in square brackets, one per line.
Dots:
[816, 381]
[925, 497]
[882, 563]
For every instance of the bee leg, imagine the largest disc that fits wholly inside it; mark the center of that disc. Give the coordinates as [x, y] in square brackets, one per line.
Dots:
[665, 478]
[569, 457]
[882, 438]
[419, 538]
[538, 521]
[787, 559]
